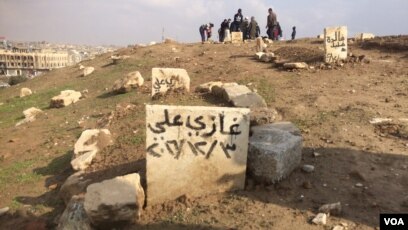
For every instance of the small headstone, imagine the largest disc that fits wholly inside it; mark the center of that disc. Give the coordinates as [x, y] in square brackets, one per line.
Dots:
[365, 36]
[165, 79]
[25, 92]
[275, 150]
[237, 37]
[194, 151]
[259, 55]
[227, 36]
[115, 201]
[259, 44]
[65, 98]
[131, 81]
[89, 143]
[335, 43]
[88, 71]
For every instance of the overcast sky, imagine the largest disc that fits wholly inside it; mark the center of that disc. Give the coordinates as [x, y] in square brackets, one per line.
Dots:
[123, 22]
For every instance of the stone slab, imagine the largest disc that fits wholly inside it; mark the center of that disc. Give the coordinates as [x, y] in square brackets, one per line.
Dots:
[275, 150]
[194, 151]
[237, 37]
[164, 79]
[335, 43]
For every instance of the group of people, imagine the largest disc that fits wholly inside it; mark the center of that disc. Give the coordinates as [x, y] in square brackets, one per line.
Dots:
[249, 28]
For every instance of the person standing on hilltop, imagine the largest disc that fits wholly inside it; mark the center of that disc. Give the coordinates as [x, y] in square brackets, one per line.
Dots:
[271, 24]
[253, 29]
[205, 31]
[293, 33]
[238, 19]
[221, 31]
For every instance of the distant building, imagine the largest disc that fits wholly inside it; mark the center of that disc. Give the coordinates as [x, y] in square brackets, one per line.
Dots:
[30, 61]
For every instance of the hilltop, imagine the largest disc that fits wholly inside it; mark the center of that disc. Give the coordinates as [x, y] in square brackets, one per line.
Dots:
[332, 105]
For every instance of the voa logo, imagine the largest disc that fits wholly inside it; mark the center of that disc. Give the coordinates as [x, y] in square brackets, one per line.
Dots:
[394, 221]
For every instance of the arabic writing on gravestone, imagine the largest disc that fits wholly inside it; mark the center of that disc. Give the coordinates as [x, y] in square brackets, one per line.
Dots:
[196, 129]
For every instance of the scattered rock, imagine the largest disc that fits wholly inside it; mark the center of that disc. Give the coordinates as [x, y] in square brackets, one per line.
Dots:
[74, 216]
[53, 187]
[380, 120]
[259, 55]
[88, 145]
[263, 116]
[308, 168]
[320, 219]
[115, 201]
[249, 100]
[316, 154]
[219, 91]
[65, 98]
[126, 84]
[268, 57]
[207, 87]
[274, 151]
[4, 210]
[25, 92]
[117, 58]
[233, 91]
[30, 115]
[81, 67]
[338, 227]
[88, 71]
[295, 65]
[357, 175]
[359, 185]
[74, 185]
[332, 209]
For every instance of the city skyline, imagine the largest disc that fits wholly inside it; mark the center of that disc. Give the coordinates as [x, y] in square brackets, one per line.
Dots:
[125, 22]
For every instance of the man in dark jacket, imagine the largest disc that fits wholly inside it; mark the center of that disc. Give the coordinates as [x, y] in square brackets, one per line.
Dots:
[238, 19]
[244, 28]
[205, 31]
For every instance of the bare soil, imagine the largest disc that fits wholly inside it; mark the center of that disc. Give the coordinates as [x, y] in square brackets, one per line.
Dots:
[332, 107]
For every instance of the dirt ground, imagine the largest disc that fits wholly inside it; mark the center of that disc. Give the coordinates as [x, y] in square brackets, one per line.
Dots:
[362, 165]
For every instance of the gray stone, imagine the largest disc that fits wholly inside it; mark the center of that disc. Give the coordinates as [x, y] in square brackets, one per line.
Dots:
[248, 100]
[320, 219]
[131, 81]
[65, 98]
[202, 149]
[219, 90]
[332, 209]
[115, 201]
[25, 92]
[74, 216]
[88, 145]
[74, 185]
[274, 152]
[233, 91]
[308, 168]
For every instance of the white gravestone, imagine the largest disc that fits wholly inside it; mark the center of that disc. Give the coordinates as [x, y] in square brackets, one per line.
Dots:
[237, 37]
[194, 151]
[335, 41]
[164, 79]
